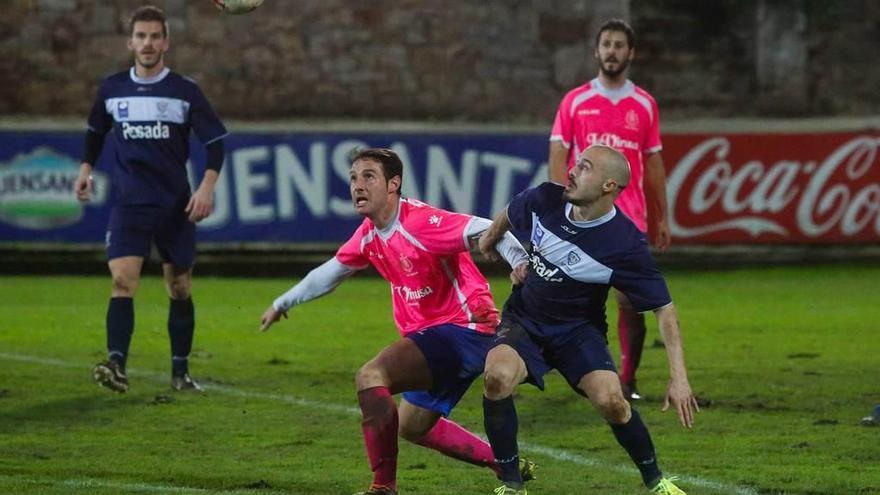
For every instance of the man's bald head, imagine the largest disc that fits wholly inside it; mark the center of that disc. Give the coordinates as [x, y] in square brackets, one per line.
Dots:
[612, 162]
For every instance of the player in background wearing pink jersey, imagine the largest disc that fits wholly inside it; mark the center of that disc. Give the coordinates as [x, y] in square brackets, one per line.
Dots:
[610, 110]
[442, 307]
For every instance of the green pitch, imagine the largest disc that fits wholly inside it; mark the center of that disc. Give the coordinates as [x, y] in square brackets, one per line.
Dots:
[787, 357]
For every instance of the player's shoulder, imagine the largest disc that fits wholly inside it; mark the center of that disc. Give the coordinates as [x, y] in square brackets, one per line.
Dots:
[579, 90]
[545, 196]
[625, 231]
[416, 215]
[116, 79]
[643, 93]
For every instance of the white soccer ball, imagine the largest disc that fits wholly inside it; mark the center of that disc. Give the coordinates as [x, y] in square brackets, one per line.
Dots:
[237, 6]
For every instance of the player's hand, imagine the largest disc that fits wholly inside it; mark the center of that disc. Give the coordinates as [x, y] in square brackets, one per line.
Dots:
[270, 316]
[200, 205]
[680, 396]
[519, 273]
[487, 247]
[662, 237]
[83, 185]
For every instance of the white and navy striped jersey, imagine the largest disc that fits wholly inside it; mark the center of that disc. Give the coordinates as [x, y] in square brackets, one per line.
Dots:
[573, 264]
[151, 119]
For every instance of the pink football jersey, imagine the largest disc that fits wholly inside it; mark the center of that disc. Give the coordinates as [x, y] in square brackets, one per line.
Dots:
[424, 255]
[626, 119]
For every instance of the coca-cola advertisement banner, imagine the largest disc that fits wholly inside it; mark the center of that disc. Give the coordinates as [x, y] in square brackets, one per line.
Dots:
[293, 187]
[773, 188]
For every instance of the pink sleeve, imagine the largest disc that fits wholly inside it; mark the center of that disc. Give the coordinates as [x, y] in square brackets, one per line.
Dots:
[562, 124]
[350, 254]
[441, 231]
[652, 143]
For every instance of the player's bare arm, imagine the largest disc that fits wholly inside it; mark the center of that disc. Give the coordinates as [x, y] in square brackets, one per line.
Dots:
[655, 193]
[557, 162]
[201, 204]
[678, 392]
[83, 185]
[500, 226]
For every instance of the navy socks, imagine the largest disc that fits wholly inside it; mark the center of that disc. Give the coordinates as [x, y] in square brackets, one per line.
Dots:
[635, 439]
[120, 326]
[181, 325]
[501, 428]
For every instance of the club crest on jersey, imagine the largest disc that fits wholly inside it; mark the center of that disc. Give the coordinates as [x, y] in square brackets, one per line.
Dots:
[122, 109]
[161, 106]
[573, 258]
[537, 236]
[632, 120]
[407, 265]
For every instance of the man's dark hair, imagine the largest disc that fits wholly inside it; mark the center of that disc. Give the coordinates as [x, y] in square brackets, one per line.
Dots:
[148, 13]
[391, 164]
[618, 25]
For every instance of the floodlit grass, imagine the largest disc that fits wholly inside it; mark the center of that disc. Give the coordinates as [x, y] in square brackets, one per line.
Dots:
[788, 358]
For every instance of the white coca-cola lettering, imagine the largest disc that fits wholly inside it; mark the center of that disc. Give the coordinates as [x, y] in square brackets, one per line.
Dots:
[836, 203]
[827, 200]
[702, 198]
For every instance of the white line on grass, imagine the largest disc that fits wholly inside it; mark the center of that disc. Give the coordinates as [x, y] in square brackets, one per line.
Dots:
[128, 487]
[558, 454]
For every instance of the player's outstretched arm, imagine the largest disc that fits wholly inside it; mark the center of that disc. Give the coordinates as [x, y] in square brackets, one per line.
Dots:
[493, 235]
[318, 282]
[678, 392]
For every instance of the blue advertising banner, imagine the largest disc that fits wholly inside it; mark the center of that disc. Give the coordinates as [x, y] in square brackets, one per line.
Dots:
[274, 187]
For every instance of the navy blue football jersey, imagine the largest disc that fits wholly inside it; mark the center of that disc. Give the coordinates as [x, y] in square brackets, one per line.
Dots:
[573, 264]
[151, 119]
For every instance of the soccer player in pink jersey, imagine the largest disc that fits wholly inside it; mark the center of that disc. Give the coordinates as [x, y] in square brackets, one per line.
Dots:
[442, 307]
[610, 110]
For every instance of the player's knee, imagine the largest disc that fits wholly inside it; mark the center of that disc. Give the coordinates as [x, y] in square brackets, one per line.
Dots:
[613, 407]
[370, 375]
[499, 381]
[411, 433]
[178, 289]
[123, 285]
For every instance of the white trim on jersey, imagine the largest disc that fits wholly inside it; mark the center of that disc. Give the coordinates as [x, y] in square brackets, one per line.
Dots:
[415, 242]
[147, 109]
[461, 297]
[613, 95]
[645, 103]
[148, 80]
[586, 95]
[571, 259]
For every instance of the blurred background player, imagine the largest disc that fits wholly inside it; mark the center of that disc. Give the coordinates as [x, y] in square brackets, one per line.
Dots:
[612, 111]
[581, 247]
[442, 308]
[151, 112]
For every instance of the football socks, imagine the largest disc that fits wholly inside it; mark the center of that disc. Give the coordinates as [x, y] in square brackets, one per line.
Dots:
[181, 324]
[501, 428]
[633, 436]
[120, 325]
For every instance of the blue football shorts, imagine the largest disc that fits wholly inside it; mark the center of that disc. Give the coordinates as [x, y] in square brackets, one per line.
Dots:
[573, 348]
[456, 356]
[134, 228]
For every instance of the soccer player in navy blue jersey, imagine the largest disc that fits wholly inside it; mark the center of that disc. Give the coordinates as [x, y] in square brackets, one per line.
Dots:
[151, 112]
[582, 245]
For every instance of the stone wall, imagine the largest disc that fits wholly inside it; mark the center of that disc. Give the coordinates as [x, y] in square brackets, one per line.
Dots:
[504, 61]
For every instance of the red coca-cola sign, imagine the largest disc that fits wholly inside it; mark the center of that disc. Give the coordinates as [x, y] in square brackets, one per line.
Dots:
[773, 188]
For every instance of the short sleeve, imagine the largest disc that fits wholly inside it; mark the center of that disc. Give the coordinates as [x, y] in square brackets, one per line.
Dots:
[440, 231]
[562, 128]
[205, 122]
[652, 142]
[350, 254]
[638, 278]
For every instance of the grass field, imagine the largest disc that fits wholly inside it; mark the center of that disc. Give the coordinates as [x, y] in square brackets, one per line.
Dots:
[789, 358]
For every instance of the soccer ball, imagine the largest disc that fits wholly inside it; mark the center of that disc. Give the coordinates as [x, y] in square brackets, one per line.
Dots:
[237, 6]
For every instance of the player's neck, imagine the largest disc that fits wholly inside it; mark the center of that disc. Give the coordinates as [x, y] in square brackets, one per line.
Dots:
[382, 219]
[592, 211]
[148, 72]
[609, 82]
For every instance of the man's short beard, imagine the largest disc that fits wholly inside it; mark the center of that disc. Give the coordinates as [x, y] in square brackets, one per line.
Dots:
[614, 74]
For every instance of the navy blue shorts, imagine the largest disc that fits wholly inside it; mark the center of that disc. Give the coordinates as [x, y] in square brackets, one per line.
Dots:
[134, 228]
[456, 356]
[573, 348]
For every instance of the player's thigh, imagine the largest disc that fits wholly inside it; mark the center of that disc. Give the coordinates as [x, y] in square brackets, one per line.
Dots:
[415, 422]
[401, 366]
[125, 272]
[178, 281]
[176, 239]
[602, 387]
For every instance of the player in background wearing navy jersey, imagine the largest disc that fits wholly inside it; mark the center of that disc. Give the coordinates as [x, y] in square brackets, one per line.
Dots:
[151, 112]
[582, 245]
